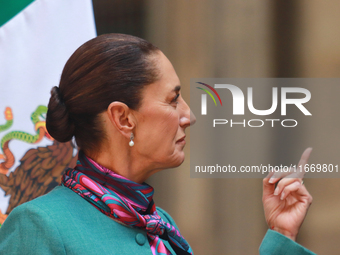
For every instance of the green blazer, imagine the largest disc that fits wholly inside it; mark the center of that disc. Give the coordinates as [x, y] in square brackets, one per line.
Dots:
[62, 222]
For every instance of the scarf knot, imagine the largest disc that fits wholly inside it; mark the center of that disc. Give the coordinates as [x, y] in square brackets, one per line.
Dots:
[154, 224]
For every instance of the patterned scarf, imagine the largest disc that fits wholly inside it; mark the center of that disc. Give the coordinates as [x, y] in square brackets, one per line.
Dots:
[124, 200]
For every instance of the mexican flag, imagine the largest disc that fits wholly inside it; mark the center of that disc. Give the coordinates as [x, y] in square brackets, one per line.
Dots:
[36, 39]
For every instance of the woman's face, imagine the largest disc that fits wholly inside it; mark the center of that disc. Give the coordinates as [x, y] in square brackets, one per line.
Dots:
[162, 119]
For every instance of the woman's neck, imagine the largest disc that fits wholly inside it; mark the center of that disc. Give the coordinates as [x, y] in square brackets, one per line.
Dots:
[123, 162]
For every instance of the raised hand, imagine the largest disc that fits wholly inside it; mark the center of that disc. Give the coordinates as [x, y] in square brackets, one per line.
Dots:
[286, 205]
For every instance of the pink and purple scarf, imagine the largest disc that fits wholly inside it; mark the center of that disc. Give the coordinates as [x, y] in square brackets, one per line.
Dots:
[124, 200]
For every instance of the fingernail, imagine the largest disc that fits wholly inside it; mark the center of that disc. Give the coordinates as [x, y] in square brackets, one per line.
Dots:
[276, 192]
[271, 180]
[282, 195]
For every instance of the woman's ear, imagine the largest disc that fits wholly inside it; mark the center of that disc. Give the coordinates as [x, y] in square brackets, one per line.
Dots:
[121, 117]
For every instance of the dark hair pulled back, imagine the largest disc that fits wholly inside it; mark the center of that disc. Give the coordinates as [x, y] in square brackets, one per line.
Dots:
[111, 67]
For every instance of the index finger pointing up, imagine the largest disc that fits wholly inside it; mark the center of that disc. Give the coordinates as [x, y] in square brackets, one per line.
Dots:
[304, 159]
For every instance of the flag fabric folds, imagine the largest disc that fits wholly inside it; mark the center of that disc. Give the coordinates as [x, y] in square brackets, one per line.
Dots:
[36, 39]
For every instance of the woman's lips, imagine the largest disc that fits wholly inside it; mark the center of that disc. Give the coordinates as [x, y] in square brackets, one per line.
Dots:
[182, 140]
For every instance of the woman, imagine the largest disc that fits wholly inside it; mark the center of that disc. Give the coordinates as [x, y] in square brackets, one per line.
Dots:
[119, 96]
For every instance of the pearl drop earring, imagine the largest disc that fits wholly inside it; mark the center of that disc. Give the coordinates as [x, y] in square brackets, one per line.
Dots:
[131, 143]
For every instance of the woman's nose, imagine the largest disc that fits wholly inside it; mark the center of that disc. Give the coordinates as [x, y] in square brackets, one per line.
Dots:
[192, 118]
[187, 117]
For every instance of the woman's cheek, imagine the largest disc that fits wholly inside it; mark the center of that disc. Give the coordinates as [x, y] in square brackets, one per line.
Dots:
[173, 119]
[169, 124]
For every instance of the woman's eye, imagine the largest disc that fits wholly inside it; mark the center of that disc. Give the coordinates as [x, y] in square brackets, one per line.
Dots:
[175, 99]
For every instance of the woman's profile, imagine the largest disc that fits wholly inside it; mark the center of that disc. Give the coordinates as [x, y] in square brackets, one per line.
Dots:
[119, 98]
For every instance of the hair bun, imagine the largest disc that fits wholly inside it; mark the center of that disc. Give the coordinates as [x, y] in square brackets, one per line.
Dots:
[58, 122]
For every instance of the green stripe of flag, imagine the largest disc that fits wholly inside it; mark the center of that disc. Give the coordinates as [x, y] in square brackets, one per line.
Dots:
[10, 8]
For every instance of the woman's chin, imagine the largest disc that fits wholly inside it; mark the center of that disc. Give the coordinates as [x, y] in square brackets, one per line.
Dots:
[172, 161]
[179, 159]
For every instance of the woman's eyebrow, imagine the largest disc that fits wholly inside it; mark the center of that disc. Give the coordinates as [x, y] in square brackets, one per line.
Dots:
[177, 88]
